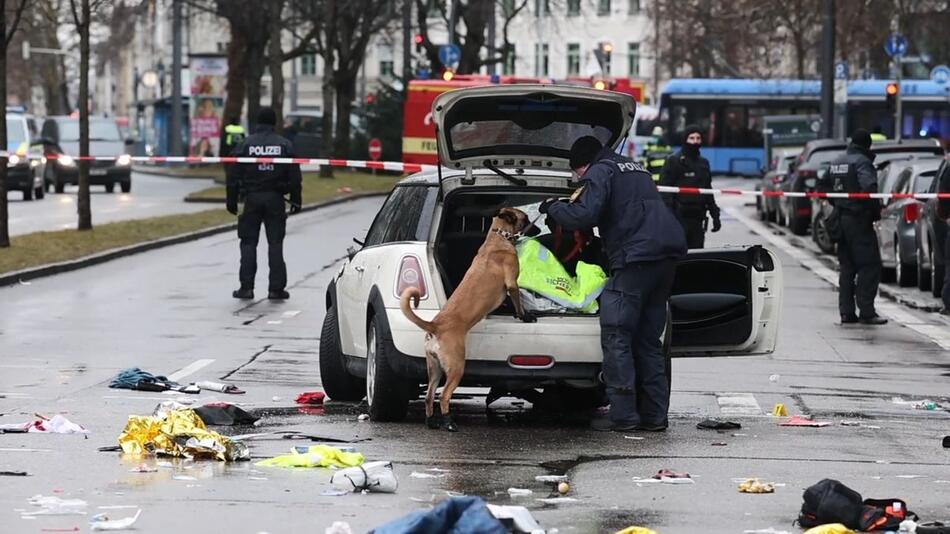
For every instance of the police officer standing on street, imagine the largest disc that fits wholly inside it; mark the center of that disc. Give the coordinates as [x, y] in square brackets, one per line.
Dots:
[859, 258]
[262, 186]
[943, 210]
[642, 242]
[233, 136]
[687, 168]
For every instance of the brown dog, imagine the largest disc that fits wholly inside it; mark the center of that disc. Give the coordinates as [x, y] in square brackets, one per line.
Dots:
[492, 275]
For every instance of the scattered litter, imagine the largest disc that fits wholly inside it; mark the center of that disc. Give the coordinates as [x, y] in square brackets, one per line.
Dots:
[666, 474]
[52, 505]
[183, 477]
[910, 476]
[57, 425]
[556, 500]
[223, 413]
[334, 492]
[102, 522]
[753, 485]
[416, 474]
[850, 423]
[275, 398]
[719, 444]
[377, 477]
[639, 481]
[110, 448]
[769, 530]
[551, 478]
[637, 438]
[717, 424]
[180, 433]
[14, 474]
[220, 387]
[798, 420]
[519, 516]
[311, 397]
[831, 528]
[926, 405]
[459, 514]
[563, 488]
[779, 410]
[519, 492]
[363, 417]
[144, 468]
[315, 456]
[137, 379]
[636, 530]
[164, 407]
[774, 378]
[339, 527]
[907, 525]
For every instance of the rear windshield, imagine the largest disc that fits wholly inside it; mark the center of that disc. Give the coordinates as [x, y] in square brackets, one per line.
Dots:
[824, 156]
[16, 130]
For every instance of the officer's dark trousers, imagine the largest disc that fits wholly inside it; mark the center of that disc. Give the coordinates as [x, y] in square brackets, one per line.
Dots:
[695, 233]
[632, 317]
[859, 266]
[266, 208]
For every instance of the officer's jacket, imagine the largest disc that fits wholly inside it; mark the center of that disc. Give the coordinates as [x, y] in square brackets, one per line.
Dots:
[283, 178]
[853, 172]
[620, 198]
[682, 171]
[944, 187]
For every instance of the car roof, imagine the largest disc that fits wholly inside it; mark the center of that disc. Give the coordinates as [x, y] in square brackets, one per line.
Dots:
[822, 144]
[431, 177]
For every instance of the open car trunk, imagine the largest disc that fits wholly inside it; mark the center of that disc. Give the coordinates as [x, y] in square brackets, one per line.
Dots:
[723, 300]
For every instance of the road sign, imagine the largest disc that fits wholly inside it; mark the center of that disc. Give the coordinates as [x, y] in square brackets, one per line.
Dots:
[841, 91]
[940, 74]
[450, 54]
[896, 45]
[375, 149]
[841, 70]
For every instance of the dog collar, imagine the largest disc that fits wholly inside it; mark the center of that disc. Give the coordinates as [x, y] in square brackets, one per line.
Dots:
[506, 234]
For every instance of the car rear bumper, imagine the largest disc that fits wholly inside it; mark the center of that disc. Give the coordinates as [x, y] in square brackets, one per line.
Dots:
[96, 175]
[19, 178]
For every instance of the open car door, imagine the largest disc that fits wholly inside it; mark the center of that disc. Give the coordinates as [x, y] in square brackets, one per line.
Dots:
[726, 301]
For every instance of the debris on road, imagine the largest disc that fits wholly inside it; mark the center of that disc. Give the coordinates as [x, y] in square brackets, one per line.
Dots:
[311, 397]
[315, 456]
[551, 479]
[376, 477]
[52, 505]
[519, 516]
[925, 404]
[339, 527]
[102, 522]
[774, 378]
[799, 420]
[457, 514]
[417, 474]
[830, 528]
[717, 424]
[779, 410]
[563, 488]
[334, 493]
[519, 492]
[139, 380]
[220, 387]
[181, 433]
[636, 530]
[43, 425]
[363, 417]
[719, 444]
[753, 485]
[144, 468]
[225, 414]
[556, 500]
[668, 476]
[14, 474]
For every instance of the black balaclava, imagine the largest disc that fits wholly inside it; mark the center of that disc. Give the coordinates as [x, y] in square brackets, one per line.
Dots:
[689, 149]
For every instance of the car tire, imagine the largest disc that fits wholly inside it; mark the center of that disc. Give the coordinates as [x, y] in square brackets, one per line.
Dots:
[937, 274]
[386, 392]
[798, 225]
[923, 275]
[904, 272]
[337, 382]
[820, 235]
[28, 194]
[39, 193]
[126, 186]
[110, 187]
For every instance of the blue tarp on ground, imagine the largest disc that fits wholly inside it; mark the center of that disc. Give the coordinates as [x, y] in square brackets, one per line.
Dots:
[458, 515]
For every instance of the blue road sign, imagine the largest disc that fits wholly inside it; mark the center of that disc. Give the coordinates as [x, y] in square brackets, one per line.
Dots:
[940, 74]
[896, 45]
[841, 70]
[450, 54]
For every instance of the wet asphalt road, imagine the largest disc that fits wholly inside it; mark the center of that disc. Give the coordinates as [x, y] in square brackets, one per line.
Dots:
[151, 196]
[62, 338]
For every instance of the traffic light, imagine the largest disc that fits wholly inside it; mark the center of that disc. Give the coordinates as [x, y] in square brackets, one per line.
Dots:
[890, 94]
[419, 40]
[448, 74]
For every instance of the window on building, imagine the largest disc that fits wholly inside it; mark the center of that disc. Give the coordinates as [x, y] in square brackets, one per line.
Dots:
[573, 59]
[541, 59]
[308, 64]
[434, 8]
[633, 59]
[542, 7]
[573, 8]
[603, 7]
[509, 66]
[386, 67]
[633, 6]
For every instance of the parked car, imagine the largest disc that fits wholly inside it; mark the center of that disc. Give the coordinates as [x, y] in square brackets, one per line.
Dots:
[795, 213]
[24, 163]
[896, 230]
[932, 237]
[60, 135]
[725, 301]
[767, 206]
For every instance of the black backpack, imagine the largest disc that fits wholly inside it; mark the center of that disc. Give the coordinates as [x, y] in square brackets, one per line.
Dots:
[830, 501]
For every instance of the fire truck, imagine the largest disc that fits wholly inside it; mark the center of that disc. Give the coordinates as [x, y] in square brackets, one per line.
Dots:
[418, 131]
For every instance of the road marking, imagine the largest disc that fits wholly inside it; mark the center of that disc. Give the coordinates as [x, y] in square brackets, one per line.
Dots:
[274, 322]
[891, 310]
[290, 313]
[189, 369]
[738, 404]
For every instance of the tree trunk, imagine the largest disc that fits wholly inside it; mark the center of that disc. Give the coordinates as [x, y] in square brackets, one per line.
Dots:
[235, 86]
[799, 54]
[345, 87]
[255, 71]
[83, 202]
[276, 54]
[326, 141]
[4, 216]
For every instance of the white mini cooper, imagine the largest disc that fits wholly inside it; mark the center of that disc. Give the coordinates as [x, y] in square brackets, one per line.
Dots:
[503, 146]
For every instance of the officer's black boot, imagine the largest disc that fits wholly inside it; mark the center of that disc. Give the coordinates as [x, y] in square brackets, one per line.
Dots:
[278, 294]
[245, 293]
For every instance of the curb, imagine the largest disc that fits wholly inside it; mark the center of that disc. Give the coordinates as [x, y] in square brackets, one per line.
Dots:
[40, 271]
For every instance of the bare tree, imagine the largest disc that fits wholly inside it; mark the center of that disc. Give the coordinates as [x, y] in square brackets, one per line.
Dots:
[9, 29]
[800, 21]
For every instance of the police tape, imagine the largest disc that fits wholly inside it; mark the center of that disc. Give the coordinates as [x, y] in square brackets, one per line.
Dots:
[798, 194]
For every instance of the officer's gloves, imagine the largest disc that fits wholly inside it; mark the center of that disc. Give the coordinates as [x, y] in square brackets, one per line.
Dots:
[232, 208]
[546, 203]
[717, 225]
[294, 208]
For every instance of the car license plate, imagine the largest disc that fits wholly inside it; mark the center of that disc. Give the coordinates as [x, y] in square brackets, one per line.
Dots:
[98, 172]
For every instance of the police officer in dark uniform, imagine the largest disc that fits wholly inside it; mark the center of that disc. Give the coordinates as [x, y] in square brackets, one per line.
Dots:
[642, 242]
[687, 168]
[262, 186]
[858, 255]
[943, 210]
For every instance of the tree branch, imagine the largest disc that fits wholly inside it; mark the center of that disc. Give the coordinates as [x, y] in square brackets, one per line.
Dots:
[17, 15]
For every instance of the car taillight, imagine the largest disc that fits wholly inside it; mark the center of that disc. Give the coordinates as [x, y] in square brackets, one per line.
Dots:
[530, 360]
[911, 212]
[410, 275]
[778, 178]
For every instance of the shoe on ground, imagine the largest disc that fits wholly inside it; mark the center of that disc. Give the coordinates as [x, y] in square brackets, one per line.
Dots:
[945, 311]
[245, 293]
[849, 319]
[873, 320]
[278, 294]
[604, 424]
[651, 428]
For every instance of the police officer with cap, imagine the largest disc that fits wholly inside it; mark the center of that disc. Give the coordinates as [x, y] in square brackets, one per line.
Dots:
[858, 255]
[262, 186]
[687, 168]
[642, 242]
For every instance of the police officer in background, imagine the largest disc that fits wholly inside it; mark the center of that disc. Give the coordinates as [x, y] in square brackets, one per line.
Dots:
[233, 136]
[858, 255]
[687, 168]
[642, 242]
[943, 210]
[262, 186]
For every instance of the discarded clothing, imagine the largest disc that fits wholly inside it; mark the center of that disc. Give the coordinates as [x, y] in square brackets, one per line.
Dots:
[377, 477]
[135, 378]
[537, 303]
[753, 485]
[716, 424]
[222, 413]
[181, 433]
[57, 425]
[454, 515]
[315, 456]
[542, 273]
[311, 397]
[797, 420]
[220, 387]
[102, 522]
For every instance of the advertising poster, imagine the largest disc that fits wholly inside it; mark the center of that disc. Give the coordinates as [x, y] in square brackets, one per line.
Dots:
[208, 78]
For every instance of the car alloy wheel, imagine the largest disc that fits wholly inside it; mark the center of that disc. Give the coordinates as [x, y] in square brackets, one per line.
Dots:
[371, 365]
[387, 393]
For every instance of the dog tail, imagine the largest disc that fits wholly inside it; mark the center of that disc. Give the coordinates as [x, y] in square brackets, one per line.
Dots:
[413, 294]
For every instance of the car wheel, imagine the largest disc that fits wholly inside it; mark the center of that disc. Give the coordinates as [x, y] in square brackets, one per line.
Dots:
[386, 392]
[798, 225]
[110, 187]
[904, 272]
[126, 186]
[923, 275]
[39, 193]
[337, 382]
[822, 239]
[936, 275]
[28, 193]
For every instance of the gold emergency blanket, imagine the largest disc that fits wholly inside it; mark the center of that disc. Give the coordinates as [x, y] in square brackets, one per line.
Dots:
[180, 433]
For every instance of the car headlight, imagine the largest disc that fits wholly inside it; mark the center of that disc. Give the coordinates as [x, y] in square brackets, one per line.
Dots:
[66, 160]
[13, 160]
[124, 160]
